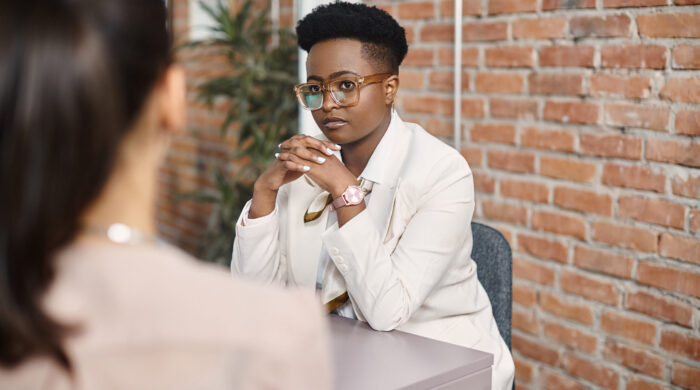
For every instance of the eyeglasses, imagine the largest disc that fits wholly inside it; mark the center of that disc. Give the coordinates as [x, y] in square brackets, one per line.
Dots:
[344, 90]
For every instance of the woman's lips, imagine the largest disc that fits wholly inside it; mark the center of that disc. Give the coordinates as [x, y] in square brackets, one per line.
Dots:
[334, 123]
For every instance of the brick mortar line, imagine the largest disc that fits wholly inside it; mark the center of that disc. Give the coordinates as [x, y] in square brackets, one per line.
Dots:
[566, 70]
[590, 242]
[623, 375]
[599, 308]
[578, 157]
[539, 13]
[653, 257]
[600, 189]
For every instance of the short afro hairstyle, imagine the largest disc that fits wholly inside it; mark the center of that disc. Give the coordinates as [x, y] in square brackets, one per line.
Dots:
[383, 39]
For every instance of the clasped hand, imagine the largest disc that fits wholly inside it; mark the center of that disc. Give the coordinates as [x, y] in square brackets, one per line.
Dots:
[303, 154]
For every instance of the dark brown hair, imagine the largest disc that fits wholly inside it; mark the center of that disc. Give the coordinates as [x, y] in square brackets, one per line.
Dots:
[74, 75]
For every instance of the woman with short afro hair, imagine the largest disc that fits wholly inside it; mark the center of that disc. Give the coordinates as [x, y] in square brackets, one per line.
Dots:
[374, 213]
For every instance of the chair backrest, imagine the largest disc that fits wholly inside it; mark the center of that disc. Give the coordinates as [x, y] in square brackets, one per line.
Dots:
[494, 262]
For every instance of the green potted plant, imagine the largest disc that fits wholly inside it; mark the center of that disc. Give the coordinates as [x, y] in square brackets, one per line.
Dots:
[262, 111]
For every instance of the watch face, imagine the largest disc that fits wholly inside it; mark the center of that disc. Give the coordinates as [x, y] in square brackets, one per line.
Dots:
[354, 195]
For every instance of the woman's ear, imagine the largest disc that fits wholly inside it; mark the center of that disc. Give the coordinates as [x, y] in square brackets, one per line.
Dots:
[172, 100]
[391, 87]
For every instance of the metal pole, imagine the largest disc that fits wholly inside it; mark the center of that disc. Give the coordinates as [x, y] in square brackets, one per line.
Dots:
[457, 132]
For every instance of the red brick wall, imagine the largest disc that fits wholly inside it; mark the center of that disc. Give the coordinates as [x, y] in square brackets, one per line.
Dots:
[581, 122]
[193, 156]
[184, 222]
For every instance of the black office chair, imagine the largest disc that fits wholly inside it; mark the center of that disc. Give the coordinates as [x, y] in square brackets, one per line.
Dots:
[494, 261]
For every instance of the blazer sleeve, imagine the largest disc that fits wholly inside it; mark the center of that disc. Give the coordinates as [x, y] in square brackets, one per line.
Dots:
[389, 287]
[256, 248]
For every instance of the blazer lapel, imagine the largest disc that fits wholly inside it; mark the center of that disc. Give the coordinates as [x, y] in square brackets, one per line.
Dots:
[304, 238]
[381, 206]
[382, 201]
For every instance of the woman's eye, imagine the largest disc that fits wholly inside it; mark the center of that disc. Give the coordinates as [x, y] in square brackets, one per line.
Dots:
[347, 84]
[314, 88]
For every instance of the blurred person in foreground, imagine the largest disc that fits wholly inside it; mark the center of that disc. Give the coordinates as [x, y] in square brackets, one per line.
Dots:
[372, 212]
[89, 298]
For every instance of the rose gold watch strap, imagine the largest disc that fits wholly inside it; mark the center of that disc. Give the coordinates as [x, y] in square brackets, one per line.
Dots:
[339, 202]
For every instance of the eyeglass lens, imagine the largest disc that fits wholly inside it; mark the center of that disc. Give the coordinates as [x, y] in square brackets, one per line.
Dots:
[344, 92]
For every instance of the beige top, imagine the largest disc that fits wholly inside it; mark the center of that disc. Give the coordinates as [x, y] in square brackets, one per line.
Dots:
[153, 318]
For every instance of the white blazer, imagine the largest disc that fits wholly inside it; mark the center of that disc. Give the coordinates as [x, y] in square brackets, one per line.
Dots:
[405, 260]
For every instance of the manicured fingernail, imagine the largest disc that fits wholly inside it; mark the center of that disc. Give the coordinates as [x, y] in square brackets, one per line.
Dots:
[321, 159]
[279, 146]
[337, 146]
[277, 155]
[329, 151]
[307, 168]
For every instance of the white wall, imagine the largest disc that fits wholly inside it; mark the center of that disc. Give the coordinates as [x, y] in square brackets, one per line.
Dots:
[199, 20]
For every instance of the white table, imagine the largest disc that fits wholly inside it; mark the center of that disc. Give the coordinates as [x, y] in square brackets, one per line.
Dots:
[366, 359]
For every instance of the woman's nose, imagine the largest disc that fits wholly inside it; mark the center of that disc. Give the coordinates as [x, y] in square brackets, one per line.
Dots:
[328, 102]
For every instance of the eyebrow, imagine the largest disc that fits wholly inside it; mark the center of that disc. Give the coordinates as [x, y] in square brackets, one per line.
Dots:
[332, 75]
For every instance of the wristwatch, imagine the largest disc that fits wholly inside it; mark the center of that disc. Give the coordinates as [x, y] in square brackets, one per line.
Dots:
[353, 195]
